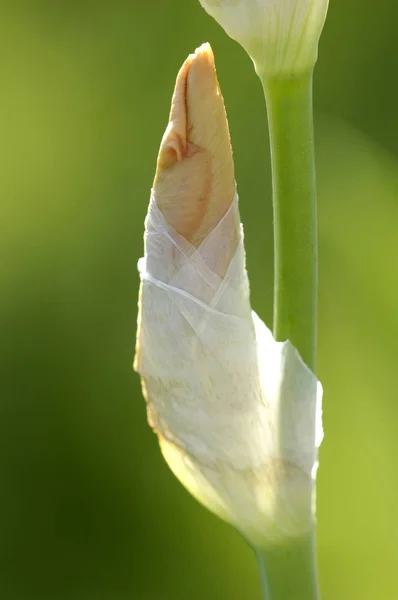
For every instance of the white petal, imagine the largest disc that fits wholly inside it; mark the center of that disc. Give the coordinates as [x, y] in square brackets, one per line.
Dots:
[281, 36]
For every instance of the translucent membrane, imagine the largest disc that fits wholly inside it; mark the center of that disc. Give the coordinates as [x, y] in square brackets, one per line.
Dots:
[238, 414]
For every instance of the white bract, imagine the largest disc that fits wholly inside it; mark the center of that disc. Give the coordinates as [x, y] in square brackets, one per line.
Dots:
[237, 413]
[281, 36]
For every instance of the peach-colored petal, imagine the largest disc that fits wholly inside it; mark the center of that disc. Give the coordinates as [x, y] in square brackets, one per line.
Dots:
[194, 183]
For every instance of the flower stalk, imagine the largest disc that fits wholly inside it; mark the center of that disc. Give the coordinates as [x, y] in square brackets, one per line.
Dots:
[290, 122]
[289, 571]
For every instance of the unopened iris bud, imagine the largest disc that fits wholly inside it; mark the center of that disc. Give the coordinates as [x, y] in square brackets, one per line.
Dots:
[237, 414]
[281, 36]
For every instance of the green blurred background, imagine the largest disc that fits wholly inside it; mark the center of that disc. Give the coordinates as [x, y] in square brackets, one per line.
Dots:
[89, 511]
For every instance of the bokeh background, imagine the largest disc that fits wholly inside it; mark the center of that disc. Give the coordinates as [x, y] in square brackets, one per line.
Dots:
[88, 509]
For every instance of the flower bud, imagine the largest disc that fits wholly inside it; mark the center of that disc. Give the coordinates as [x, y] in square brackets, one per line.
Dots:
[281, 36]
[236, 413]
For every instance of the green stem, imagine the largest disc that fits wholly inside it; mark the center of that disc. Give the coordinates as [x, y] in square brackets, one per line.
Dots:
[288, 571]
[290, 120]
[265, 593]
